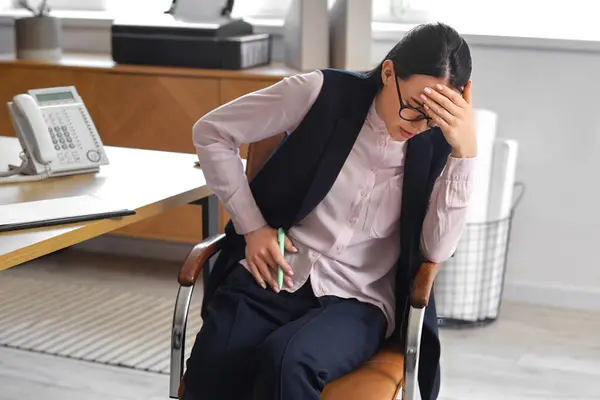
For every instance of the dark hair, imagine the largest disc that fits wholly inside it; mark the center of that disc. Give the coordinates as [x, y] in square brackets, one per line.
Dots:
[433, 49]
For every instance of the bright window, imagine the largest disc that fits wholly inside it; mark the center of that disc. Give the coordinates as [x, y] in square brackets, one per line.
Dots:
[470, 12]
[382, 9]
[261, 8]
[476, 12]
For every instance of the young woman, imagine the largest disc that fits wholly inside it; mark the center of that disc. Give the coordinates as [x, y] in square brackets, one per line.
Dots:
[371, 161]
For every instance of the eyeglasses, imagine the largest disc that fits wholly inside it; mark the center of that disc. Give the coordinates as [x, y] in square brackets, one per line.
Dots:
[412, 114]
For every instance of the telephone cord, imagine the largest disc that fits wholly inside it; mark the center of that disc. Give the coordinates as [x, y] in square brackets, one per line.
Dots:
[14, 175]
[25, 178]
[16, 170]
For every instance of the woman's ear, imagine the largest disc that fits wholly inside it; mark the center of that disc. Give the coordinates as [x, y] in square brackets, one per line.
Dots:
[387, 71]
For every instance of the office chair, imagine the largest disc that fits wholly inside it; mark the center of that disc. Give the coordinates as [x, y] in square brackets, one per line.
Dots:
[390, 374]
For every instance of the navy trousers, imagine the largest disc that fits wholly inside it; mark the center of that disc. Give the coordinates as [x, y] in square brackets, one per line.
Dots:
[259, 345]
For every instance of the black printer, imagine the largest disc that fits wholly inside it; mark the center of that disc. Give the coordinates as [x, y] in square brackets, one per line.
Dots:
[222, 43]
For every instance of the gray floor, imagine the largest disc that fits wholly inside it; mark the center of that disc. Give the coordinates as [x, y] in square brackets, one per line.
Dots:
[530, 353]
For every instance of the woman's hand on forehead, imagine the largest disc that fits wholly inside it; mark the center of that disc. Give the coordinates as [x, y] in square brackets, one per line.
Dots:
[453, 113]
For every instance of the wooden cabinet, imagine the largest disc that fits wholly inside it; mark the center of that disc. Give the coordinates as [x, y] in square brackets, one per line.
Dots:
[15, 80]
[140, 107]
[156, 112]
[233, 88]
[152, 112]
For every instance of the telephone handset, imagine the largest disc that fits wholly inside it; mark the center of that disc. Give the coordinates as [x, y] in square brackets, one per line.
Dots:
[57, 134]
[44, 148]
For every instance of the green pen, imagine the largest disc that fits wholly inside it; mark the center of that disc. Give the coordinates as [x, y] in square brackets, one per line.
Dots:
[281, 240]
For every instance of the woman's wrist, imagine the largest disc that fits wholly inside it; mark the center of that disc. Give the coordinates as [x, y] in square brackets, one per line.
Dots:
[464, 152]
[255, 231]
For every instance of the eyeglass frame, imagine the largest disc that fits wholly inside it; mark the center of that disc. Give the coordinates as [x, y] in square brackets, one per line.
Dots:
[422, 116]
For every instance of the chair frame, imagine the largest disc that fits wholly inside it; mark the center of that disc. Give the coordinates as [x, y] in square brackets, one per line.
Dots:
[202, 253]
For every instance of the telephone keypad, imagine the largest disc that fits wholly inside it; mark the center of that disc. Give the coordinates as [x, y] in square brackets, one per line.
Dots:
[69, 148]
[93, 156]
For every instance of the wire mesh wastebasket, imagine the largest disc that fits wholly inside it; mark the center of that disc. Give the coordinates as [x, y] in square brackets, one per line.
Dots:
[468, 288]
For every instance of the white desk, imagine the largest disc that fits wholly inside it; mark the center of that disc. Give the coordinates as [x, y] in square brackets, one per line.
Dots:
[149, 182]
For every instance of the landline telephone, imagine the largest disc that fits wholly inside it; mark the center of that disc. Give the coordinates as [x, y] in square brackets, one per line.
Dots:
[57, 134]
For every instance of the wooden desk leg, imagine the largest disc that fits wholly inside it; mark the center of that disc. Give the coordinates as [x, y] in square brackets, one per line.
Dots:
[210, 216]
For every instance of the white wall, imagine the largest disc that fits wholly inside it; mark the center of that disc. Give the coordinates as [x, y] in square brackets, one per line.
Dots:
[550, 101]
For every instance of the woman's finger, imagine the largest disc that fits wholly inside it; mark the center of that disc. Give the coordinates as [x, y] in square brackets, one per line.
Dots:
[254, 271]
[289, 246]
[441, 122]
[266, 256]
[279, 261]
[442, 100]
[440, 111]
[451, 94]
[265, 272]
[467, 92]
[288, 281]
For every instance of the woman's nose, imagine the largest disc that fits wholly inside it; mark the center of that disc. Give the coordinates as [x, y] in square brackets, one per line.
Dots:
[420, 126]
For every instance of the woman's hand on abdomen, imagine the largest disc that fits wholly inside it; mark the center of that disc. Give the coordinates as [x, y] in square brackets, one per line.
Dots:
[264, 258]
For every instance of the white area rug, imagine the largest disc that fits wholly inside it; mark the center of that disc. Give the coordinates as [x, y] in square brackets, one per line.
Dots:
[98, 324]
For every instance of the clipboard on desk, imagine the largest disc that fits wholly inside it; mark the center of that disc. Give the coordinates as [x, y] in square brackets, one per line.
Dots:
[58, 211]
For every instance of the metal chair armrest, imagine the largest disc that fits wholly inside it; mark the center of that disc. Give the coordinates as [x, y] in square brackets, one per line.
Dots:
[188, 275]
[418, 301]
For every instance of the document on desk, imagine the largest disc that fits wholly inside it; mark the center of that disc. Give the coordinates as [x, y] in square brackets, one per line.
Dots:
[59, 211]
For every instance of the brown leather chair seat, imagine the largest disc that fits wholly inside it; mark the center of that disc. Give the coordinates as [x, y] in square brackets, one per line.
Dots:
[377, 379]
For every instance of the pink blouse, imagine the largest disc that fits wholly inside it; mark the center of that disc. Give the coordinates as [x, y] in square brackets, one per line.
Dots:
[349, 244]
